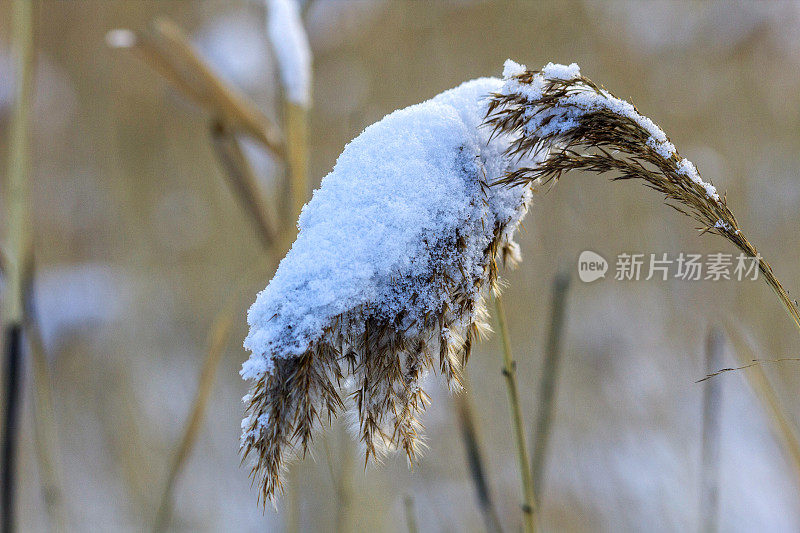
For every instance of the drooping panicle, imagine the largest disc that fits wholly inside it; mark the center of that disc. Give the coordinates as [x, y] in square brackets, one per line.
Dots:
[384, 282]
[574, 124]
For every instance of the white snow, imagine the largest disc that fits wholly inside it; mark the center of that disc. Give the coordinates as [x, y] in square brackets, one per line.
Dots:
[290, 43]
[555, 71]
[581, 100]
[384, 219]
[512, 68]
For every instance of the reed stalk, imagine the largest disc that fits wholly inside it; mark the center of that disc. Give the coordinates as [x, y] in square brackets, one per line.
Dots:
[296, 127]
[44, 421]
[547, 385]
[342, 484]
[785, 430]
[17, 197]
[218, 339]
[712, 407]
[477, 470]
[167, 50]
[411, 514]
[510, 374]
[242, 181]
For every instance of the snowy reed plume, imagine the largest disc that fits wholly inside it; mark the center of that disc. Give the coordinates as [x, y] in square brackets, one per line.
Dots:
[577, 125]
[385, 280]
[398, 245]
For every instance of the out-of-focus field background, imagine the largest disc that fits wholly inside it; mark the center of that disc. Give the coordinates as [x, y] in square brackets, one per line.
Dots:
[139, 240]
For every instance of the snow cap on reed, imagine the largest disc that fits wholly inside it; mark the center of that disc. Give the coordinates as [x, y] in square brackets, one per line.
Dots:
[387, 275]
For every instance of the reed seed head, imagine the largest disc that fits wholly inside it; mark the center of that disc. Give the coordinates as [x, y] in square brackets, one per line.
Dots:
[385, 281]
[567, 122]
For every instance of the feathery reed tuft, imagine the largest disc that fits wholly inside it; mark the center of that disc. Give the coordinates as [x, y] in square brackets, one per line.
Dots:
[385, 281]
[578, 125]
[397, 248]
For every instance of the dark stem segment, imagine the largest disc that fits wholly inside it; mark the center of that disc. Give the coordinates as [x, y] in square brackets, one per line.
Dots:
[547, 386]
[712, 405]
[475, 461]
[11, 423]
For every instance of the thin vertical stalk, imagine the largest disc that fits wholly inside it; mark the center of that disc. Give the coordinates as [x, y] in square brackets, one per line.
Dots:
[510, 374]
[547, 386]
[469, 434]
[296, 126]
[45, 428]
[340, 477]
[411, 514]
[293, 501]
[17, 205]
[220, 332]
[13, 371]
[712, 405]
[785, 430]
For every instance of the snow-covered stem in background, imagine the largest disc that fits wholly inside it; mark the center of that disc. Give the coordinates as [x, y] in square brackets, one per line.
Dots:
[581, 126]
[290, 44]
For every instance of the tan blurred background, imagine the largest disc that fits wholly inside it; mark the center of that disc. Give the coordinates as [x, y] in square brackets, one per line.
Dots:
[139, 240]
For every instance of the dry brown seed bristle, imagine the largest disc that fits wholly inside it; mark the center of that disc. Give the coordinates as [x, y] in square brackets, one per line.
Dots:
[606, 140]
[385, 361]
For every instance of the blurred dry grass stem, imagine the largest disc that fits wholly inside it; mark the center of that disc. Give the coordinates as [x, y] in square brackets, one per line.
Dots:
[477, 469]
[17, 198]
[547, 385]
[296, 127]
[785, 429]
[44, 419]
[46, 434]
[168, 50]
[243, 181]
[712, 414]
[220, 331]
[411, 514]
[603, 140]
[510, 375]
